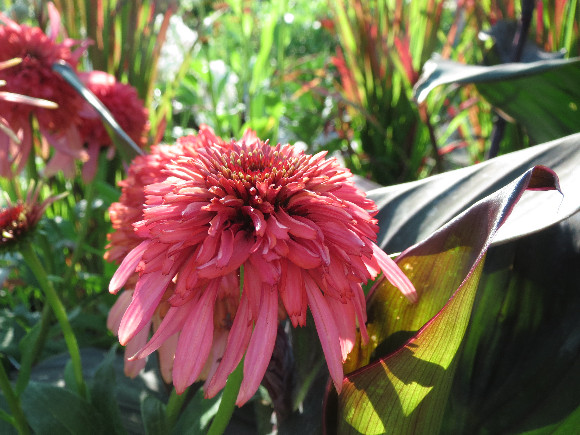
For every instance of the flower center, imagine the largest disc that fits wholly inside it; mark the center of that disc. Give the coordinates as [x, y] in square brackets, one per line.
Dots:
[259, 165]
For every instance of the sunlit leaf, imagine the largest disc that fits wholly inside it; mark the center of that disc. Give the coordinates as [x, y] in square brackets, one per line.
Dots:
[406, 391]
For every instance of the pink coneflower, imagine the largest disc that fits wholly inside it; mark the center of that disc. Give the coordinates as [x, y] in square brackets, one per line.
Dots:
[35, 78]
[125, 106]
[293, 225]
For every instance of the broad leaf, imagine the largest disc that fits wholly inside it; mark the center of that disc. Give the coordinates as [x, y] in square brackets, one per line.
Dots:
[53, 410]
[102, 394]
[543, 96]
[153, 414]
[406, 391]
[519, 370]
[410, 212]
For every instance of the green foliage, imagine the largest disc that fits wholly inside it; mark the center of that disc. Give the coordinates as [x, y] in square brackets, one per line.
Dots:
[406, 390]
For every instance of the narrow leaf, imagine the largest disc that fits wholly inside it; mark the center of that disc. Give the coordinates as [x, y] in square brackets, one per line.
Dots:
[124, 144]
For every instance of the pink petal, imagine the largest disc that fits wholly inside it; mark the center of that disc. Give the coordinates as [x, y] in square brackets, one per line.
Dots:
[345, 318]
[226, 248]
[293, 294]
[133, 367]
[148, 293]
[327, 330]
[237, 344]
[242, 245]
[195, 340]
[170, 325]
[301, 256]
[296, 227]
[394, 274]
[166, 357]
[117, 310]
[261, 346]
[127, 267]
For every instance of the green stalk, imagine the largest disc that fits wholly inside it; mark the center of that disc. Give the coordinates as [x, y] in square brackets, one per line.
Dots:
[19, 420]
[59, 311]
[228, 402]
[174, 406]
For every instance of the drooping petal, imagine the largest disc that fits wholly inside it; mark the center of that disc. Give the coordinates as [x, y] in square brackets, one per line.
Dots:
[169, 326]
[194, 344]
[394, 274]
[237, 344]
[327, 330]
[117, 311]
[148, 293]
[127, 267]
[133, 367]
[261, 346]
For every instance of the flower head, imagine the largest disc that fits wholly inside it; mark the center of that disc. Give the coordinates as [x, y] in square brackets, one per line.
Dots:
[34, 77]
[236, 233]
[18, 220]
[125, 106]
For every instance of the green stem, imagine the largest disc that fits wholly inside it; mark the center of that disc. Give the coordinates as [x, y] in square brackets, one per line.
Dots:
[174, 406]
[228, 402]
[19, 420]
[59, 311]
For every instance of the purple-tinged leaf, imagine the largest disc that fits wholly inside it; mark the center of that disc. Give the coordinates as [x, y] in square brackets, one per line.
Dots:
[406, 389]
[409, 212]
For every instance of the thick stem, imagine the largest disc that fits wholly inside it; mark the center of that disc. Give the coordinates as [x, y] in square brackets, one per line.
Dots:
[59, 311]
[174, 406]
[228, 402]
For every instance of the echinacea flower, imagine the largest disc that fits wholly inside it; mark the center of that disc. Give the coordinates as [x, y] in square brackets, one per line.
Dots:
[235, 233]
[18, 219]
[125, 106]
[34, 77]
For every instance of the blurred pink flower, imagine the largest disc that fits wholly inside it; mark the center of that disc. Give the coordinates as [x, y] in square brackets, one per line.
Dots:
[18, 219]
[125, 106]
[35, 78]
[297, 227]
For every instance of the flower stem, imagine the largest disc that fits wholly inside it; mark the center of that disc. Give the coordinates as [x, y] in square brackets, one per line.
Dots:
[59, 311]
[19, 420]
[174, 406]
[228, 402]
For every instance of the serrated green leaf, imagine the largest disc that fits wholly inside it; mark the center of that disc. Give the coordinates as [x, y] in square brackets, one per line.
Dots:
[406, 390]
